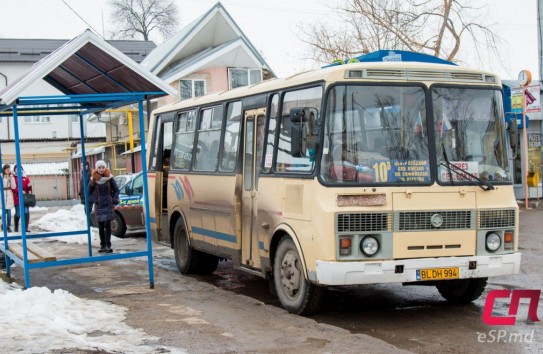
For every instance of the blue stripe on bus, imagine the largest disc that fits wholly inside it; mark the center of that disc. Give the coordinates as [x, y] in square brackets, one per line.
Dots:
[261, 245]
[214, 234]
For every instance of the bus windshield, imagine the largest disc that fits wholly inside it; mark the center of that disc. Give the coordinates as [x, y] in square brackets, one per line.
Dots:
[468, 135]
[376, 135]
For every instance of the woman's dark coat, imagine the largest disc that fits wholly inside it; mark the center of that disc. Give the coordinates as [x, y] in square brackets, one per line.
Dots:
[104, 196]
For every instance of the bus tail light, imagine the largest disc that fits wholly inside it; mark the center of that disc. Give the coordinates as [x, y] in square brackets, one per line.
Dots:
[508, 240]
[345, 246]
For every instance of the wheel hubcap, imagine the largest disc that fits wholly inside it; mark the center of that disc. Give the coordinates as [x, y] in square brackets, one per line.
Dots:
[290, 274]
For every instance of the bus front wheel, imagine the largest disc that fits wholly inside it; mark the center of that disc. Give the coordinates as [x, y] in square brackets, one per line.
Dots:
[461, 291]
[189, 260]
[295, 293]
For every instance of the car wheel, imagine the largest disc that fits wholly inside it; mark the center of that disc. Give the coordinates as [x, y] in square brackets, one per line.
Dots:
[295, 293]
[189, 260]
[461, 291]
[118, 226]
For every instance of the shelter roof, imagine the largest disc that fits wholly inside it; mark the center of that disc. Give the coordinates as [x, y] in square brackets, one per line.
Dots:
[88, 65]
[26, 50]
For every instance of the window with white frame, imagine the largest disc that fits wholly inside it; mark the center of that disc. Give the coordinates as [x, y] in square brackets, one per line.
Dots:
[37, 119]
[243, 77]
[189, 88]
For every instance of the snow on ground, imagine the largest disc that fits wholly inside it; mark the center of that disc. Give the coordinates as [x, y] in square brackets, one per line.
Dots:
[65, 220]
[38, 320]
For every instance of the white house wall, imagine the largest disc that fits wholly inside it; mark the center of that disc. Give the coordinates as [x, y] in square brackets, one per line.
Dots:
[59, 127]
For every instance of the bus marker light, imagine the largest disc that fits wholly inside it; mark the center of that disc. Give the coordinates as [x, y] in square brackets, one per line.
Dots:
[345, 246]
[508, 240]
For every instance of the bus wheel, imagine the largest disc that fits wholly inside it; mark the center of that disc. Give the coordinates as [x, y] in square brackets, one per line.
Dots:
[188, 259]
[295, 293]
[461, 291]
[118, 226]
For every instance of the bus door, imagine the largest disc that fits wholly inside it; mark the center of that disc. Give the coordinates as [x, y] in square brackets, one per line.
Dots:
[160, 164]
[254, 123]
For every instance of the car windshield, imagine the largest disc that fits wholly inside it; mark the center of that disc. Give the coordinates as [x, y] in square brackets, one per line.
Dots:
[469, 135]
[376, 135]
[134, 185]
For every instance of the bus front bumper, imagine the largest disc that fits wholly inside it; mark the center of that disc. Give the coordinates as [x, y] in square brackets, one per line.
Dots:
[372, 272]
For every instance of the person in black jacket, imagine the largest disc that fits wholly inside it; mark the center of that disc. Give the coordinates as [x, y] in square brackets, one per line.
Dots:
[105, 194]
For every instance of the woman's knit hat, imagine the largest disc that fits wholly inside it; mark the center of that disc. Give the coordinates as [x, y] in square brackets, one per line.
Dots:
[100, 163]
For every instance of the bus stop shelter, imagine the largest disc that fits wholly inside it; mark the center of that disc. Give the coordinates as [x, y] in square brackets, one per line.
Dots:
[93, 76]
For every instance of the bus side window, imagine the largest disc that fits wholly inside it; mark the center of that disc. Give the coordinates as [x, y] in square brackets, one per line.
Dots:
[231, 137]
[310, 98]
[184, 140]
[209, 134]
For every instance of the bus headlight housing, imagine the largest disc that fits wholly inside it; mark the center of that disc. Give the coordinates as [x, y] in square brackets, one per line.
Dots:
[369, 246]
[493, 241]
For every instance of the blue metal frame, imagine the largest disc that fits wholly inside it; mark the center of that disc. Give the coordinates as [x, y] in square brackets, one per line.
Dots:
[88, 104]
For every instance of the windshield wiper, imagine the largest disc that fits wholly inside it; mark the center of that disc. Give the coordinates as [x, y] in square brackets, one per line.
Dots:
[484, 185]
[448, 165]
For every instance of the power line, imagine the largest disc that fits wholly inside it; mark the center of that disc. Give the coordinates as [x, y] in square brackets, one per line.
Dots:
[82, 19]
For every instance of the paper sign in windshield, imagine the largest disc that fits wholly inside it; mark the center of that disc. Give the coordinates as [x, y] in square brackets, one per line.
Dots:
[471, 167]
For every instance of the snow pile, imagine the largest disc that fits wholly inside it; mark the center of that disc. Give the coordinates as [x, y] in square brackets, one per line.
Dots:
[37, 320]
[66, 220]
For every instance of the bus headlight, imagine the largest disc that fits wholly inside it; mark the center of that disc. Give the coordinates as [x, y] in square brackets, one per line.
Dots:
[493, 241]
[369, 246]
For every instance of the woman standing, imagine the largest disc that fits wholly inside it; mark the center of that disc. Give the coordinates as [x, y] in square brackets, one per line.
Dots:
[27, 189]
[8, 183]
[104, 192]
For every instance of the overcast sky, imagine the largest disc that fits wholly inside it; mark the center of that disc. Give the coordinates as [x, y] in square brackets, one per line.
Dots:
[272, 26]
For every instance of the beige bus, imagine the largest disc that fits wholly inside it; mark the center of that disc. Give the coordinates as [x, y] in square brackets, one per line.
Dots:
[353, 174]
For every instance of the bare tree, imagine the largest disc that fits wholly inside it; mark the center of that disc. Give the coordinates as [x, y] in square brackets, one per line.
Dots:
[435, 27]
[143, 17]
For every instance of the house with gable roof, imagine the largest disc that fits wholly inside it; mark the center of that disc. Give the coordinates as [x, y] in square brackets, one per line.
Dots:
[211, 54]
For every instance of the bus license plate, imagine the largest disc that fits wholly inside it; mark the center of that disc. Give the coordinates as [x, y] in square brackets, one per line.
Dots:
[437, 273]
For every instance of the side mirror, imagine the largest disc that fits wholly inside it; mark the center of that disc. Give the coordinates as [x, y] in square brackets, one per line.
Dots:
[298, 131]
[513, 135]
[298, 140]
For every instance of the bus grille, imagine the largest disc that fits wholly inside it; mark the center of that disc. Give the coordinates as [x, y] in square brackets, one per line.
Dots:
[363, 222]
[493, 219]
[422, 220]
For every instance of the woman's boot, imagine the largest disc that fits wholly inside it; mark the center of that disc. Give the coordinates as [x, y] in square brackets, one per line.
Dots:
[108, 237]
[27, 221]
[16, 223]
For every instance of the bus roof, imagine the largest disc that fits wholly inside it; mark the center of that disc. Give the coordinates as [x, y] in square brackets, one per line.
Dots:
[370, 71]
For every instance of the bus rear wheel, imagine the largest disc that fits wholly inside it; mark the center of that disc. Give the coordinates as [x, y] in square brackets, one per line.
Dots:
[295, 293]
[461, 291]
[189, 260]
